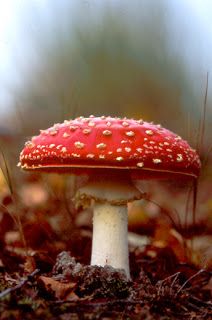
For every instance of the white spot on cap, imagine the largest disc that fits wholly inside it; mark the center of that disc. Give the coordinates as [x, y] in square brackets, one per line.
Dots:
[91, 124]
[66, 135]
[63, 149]
[127, 149]
[53, 132]
[125, 124]
[29, 144]
[119, 150]
[156, 161]
[43, 132]
[90, 155]
[119, 158]
[140, 164]
[75, 155]
[107, 133]
[73, 128]
[101, 146]
[149, 132]
[108, 123]
[66, 121]
[85, 120]
[101, 156]
[52, 145]
[179, 157]
[86, 131]
[130, 133]
[79, 145]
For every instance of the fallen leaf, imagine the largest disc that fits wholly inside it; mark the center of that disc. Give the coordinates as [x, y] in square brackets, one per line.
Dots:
[29, 265]
[62, 291]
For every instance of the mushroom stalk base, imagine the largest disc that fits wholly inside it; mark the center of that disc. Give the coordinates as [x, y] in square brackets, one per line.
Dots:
[110, 241]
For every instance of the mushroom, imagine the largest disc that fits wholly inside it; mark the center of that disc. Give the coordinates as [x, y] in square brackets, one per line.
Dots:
[113, 152]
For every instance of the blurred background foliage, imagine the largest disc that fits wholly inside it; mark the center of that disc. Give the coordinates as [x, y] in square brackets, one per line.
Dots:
[115, 59]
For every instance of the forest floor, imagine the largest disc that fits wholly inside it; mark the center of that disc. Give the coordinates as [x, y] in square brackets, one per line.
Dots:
[45, 271]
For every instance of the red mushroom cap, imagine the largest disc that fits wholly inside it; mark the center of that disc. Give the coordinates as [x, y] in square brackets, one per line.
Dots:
[103, 143]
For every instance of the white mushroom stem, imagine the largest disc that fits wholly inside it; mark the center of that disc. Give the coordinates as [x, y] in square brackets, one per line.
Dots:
[109, 197]
[110, 240]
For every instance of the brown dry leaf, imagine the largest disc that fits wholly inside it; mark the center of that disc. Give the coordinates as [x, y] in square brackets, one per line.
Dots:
[62, 291]
[29, 265]
[165, 236]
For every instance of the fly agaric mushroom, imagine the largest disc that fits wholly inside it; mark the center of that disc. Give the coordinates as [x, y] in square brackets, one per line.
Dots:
[112, 152]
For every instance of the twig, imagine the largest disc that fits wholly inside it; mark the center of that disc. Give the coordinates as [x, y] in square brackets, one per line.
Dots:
[21, 284]
[187, 281]
[175, 276]
[202, 122]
